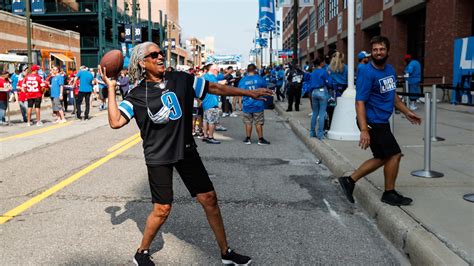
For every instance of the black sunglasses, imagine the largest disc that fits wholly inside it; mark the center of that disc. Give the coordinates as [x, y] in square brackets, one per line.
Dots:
[154, 55]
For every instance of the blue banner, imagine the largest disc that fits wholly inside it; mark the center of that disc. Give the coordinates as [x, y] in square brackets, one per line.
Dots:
[137, 33]
[266, 20]
[128, 32]
[463, 69]
[37, 7]
[18, 7]
[263, 43]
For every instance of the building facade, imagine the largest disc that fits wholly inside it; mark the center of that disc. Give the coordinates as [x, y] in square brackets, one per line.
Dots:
[426, 29]
[101, 23]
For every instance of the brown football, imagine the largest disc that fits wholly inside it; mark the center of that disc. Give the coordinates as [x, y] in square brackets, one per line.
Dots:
[113, 62]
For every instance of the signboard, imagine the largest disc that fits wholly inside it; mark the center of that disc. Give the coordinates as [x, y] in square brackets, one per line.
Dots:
[284, 3]
[306, 3]
[128, 32]
[173, 44]
[137, 33]
[463, 68]
[19, 7]
[37, 7]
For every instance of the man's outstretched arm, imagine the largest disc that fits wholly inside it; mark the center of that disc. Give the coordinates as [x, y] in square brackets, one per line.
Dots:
[224, 90]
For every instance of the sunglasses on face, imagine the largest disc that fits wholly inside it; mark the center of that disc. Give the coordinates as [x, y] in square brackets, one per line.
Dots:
[154, 55]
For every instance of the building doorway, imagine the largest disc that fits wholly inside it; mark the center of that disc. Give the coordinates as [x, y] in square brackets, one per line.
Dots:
[416, 22]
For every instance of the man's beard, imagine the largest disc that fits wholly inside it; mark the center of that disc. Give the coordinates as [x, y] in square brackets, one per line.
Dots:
[379, 62]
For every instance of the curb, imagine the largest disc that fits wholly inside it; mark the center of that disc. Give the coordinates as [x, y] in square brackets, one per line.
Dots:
[419, 245]
[44, 106]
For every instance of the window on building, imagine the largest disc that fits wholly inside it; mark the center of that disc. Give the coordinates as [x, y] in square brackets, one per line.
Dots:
[333, 8]
[321, 13]
[345, 4]
[312, 22]
[303, 30]
[359, 9]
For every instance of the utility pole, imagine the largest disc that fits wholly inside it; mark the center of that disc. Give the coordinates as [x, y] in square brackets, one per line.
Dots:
[134, 20]
[114, 24]
[271, 50]
[295, 32]
[149, 21]
[168, 37]
[28, 31]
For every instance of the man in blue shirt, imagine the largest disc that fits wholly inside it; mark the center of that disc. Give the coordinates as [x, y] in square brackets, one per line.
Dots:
[253, 110]
[364, 59]
[375, 100]
[57, 88]
[210, 105]
[86, 83]
[413, 76]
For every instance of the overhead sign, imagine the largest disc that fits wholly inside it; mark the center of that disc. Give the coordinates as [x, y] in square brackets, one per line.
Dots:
[18, 7]
[266, 18]
[223, 58]
[37, 7]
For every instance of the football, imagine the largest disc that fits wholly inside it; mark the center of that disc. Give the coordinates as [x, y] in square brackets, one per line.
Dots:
[113, 62]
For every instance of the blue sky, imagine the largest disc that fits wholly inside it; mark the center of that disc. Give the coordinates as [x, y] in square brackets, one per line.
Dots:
[231, 22]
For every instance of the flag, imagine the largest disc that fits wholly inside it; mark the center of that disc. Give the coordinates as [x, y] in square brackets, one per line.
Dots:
[284, 3]
[266, 21]
[305, 3]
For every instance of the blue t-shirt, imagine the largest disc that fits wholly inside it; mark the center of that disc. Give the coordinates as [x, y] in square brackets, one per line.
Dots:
[252, 82]
[376, 88]
[56, 83]
[413, 69]
[14, 79]
[86, 79]
[339, 78]
[319, 78]
[280, 76]
[100, 82]
[211, 100]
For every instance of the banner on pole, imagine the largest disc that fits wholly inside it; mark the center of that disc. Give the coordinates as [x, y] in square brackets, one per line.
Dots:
[137, 33]
[18, 7]
[128, 33]
[306, 3]
[266, 21]
[37, 7]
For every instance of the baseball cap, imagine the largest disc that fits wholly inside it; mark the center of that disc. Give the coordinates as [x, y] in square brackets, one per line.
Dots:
[407, 57]
[35, 68]
[362, 55]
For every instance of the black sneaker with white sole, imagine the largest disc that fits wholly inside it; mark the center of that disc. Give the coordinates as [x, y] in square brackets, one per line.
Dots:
[233, 258]
[263, 141]
[143, 258]
[247, 141]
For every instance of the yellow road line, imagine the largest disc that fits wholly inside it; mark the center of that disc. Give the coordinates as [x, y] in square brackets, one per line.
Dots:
[123, 142]
[35, 132]
[26, 205]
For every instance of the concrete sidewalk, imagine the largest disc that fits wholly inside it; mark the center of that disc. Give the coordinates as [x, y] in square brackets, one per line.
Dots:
[437, 229]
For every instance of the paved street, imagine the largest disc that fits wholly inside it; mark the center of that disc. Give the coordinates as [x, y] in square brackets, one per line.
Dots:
[279, 205]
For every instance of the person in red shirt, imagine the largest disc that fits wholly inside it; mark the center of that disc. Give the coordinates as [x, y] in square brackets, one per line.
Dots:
[5, 88]
[22, 101]
[33, 85]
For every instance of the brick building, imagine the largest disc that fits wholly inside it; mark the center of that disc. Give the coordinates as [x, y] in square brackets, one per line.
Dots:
[13, 36]
[426, 29]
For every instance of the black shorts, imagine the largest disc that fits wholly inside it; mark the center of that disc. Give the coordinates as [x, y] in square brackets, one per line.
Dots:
[34, 102]
[198, 111]
[192, 172]
[382, 142]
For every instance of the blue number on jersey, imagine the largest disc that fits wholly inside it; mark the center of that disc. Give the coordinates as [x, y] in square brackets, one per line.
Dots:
[171, 101]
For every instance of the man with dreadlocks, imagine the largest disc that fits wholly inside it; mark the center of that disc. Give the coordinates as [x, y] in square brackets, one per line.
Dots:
[162, 105]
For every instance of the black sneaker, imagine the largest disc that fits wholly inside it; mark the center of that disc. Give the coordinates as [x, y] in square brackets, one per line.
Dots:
[393, 198]
[143, 258]
[232, 258]
[347, 186]
[247, 141]
[263, 141]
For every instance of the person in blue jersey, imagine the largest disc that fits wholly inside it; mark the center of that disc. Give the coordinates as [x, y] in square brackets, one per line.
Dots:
[280, 78]
[375, 99]
[338, 71]
[162, 105]
[57, 92]
[253, 109]
[319, 83]
[413, 76]
[363, 58]
[210, 105]
[86, 83]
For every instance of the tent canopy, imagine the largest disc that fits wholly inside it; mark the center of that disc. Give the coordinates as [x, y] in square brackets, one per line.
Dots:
[62, 57]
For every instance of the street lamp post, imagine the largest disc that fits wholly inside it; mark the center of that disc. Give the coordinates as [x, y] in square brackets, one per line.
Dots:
[28, 31]
[295, 31]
